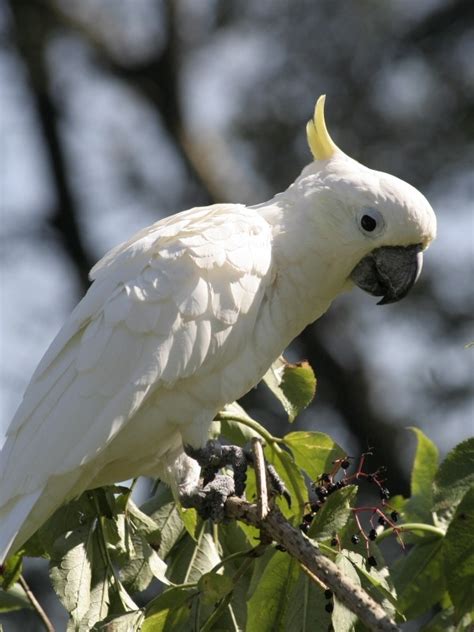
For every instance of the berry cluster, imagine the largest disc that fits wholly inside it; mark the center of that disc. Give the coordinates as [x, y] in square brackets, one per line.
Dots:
[382, 513]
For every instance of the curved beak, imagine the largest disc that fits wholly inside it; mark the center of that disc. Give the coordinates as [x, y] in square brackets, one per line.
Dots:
[389, 271]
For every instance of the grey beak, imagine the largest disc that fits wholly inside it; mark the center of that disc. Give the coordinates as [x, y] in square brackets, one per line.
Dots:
[390, 272]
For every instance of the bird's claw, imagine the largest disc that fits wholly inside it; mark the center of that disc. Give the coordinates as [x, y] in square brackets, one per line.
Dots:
[216, 488]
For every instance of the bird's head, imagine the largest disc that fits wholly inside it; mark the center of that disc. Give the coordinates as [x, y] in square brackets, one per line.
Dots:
[381, 223]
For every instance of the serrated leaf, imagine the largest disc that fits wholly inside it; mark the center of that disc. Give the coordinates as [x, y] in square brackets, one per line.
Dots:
[269, 604]
[14, 599]
[71, 571]
[314, 452]
[459, 556]
[145, 564]
[453, 479]
[306, 610]
[419, 578]
[77, 514]
[419, 507]
[170, 611]
[99, 590]
[214, 586]
[334, 514]
[343, 619]
[294, 385]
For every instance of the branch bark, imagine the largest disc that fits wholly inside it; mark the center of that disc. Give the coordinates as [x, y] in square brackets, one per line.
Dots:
[276, 527]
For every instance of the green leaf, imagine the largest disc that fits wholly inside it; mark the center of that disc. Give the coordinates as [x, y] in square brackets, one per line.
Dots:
[143, 522]
[343, 619]
[145, 564]
[14, 599]
[193, 559]
[294, 385]
[334, 514]
[459, 556]
[99, 591]
[306, 610]
[170, 611]
[214, 586]
[269, 604]
[123, 623]
[376, 582]
[455, 476]
[76, 514]
[164, 512]
[314, 452]
[419, 578]
[292, 478]
[419, 507]
[71, 571]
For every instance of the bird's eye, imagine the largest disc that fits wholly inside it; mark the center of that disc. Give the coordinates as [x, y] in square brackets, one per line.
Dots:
[368, 223]
[371, 221]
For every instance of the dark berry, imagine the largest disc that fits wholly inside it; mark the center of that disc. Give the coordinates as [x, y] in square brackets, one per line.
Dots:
[345, 464]
[341, 484]
[304, 526]
[371, 561]
[322, 492]
[355, 539]
[332, 488]
[394, 516]
[308, 518]
[322, 499]
[382, 521]
[315, 507]
[372, 534]
[384, 493]
[281, 548]
[334, 542]
[328, 594]
[329, 607]
[326, 478]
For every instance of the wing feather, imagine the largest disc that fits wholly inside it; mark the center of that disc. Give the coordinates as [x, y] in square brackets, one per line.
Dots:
[161, 309]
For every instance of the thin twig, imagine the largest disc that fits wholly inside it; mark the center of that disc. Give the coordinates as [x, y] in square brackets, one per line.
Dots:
[36, 605]
[261, 476]
[275, 526]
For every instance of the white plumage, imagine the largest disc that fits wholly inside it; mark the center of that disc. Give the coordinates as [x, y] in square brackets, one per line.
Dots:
[180, 320]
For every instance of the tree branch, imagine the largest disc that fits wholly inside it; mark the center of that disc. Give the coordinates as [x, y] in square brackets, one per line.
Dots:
[276, 527]
[36, 605]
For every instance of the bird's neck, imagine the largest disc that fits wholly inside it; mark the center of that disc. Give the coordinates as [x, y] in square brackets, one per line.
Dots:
[306, 278]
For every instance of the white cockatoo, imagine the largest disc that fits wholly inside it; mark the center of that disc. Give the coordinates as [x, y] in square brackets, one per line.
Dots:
[188, 315]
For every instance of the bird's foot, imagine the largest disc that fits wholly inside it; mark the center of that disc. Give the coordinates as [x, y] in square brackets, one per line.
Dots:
[210, 499]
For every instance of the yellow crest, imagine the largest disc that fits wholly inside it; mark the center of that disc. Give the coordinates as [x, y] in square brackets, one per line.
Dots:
[321, 144]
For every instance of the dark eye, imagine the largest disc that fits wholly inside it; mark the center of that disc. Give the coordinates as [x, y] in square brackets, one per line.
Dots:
[368, 223]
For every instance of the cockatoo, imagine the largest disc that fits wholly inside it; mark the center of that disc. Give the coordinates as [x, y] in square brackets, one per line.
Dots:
[188, 315]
